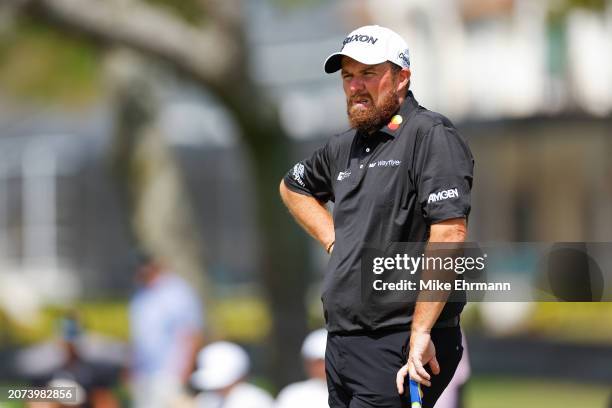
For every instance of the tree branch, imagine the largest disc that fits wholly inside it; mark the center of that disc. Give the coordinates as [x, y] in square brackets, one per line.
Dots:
[229, 13]
[206, 53]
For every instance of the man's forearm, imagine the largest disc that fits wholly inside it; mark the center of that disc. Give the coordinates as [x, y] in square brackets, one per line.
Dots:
[311, 215]
[426, 313]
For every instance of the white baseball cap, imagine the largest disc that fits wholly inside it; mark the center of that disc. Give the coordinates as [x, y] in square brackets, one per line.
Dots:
[371, 45]
[314, 344]
[220, 364]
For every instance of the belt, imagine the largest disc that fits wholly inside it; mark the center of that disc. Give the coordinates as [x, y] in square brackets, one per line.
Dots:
[443, 324]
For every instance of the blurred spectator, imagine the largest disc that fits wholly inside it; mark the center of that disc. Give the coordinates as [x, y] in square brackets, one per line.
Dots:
[311, 393]
[222, 368]
[92, 380]
[166, 324]
[452, 396]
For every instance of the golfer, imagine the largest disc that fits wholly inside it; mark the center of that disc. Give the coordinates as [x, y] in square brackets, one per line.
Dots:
[401, 173]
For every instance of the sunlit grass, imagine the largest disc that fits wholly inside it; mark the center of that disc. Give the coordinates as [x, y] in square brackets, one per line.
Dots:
[502, 392]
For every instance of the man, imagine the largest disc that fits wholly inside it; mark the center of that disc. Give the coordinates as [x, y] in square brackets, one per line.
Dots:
[166, 327]
[400, 174]
[311, 393]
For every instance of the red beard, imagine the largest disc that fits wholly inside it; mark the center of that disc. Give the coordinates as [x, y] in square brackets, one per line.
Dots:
[371, 117]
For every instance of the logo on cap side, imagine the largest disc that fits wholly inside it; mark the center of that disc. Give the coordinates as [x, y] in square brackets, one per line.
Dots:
[359, 37]
[404, 57]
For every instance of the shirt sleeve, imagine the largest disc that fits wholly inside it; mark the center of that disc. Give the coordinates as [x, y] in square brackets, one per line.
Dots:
[312, 176]
[444, 170]
[186, 308]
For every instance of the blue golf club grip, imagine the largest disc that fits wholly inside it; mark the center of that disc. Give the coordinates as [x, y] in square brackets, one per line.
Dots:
[415, 394]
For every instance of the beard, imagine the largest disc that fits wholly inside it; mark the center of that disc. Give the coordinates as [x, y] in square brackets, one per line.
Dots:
[373, 116]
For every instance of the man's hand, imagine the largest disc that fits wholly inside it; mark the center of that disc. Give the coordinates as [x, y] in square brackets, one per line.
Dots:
[422, 352]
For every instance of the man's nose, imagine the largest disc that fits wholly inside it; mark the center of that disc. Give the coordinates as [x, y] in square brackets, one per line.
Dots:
[356, 85]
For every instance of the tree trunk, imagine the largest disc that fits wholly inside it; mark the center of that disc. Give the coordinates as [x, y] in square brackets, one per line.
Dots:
[150, 179]
[284, 264]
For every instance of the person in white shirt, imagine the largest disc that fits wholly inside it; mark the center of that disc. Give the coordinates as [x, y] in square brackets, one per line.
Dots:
[311, 393]
[221, 373]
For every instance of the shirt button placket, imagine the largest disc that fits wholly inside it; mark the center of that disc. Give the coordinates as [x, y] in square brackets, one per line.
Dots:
[367, 150]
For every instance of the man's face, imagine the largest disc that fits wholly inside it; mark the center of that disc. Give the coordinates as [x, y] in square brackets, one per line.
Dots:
[147, 273]
[372, 92]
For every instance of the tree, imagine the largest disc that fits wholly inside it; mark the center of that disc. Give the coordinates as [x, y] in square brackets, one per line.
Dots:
[215, 56]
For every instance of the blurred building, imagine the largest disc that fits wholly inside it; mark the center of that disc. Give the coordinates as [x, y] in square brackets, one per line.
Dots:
[55, 203]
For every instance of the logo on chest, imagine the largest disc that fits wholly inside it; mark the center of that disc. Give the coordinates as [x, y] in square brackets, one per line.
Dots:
[385, 163]
[343, 175]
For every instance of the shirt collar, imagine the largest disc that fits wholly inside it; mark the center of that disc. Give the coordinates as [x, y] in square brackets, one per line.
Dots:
[393, 128]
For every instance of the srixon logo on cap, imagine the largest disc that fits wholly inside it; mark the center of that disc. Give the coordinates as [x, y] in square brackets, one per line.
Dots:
[361, 38]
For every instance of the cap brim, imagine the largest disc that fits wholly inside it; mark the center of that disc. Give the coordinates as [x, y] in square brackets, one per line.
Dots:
[333, 63]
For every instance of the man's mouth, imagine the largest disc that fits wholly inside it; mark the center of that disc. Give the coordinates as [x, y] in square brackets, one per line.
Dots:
[360, 101]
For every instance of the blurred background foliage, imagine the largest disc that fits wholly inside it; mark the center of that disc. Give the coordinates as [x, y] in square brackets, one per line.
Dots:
[561, 8]
[245, 319]
[191, 11]
[41, 64]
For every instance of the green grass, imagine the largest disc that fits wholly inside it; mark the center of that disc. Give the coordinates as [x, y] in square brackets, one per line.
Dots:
[502, 392]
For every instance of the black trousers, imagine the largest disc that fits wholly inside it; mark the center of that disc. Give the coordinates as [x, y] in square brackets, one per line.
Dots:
[361, 368]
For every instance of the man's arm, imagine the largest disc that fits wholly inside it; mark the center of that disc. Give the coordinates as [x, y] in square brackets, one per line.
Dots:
[191, 342]
[422, 350]
[311, 215]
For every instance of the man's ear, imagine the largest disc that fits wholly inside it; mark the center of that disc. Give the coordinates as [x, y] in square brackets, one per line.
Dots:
[403, 79]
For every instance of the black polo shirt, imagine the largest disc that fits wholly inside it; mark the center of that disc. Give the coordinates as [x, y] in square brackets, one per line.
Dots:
[388, 186]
